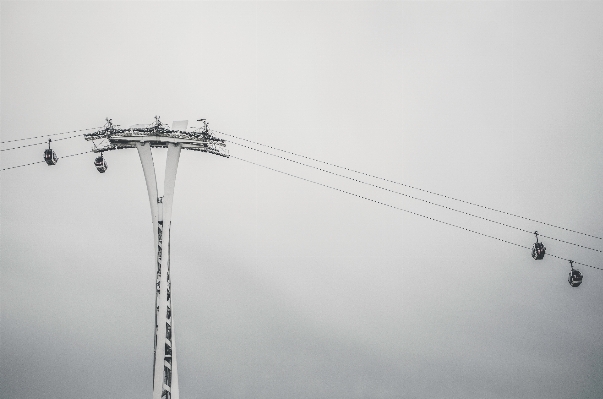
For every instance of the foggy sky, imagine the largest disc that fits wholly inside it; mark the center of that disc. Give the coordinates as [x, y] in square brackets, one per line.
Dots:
[282, 288]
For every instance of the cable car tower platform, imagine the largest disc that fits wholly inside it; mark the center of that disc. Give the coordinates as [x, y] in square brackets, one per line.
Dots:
[143, 138]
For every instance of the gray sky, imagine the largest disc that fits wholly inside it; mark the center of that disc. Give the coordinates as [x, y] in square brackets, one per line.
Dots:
[283, 288]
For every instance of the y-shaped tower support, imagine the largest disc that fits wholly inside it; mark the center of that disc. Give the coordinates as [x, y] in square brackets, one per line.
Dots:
[165, 373]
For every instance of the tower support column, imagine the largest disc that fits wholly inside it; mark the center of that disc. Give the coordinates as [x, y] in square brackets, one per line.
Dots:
[165, 377]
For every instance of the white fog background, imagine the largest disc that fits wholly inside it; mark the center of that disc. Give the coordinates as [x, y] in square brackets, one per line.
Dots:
[283, 288]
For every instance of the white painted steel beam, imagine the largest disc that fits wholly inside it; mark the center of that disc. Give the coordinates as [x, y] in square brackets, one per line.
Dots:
[185, 143]
[162, 215]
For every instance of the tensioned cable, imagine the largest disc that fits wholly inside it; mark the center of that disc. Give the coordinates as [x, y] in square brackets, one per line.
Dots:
[409, 186]
[20, 166]
[48, 135]
[80, 153]
[355, 195]
[403, 210]
[43, 142]
[410, 196]
[33, 163]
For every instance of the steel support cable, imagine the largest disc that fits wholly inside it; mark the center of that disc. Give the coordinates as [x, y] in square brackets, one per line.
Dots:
[87, 152]
[409, 186]
[33, 163]
[402, 209]
[20, 166]
[48, 135]
[43, 142]
[415, 198]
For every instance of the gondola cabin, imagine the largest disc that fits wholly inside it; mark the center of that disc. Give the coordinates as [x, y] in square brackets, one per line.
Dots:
[538, 250]
[50, 156]
[575, 278]
[101, 164]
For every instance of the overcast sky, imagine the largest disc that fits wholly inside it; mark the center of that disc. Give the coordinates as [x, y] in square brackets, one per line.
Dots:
[283, 288]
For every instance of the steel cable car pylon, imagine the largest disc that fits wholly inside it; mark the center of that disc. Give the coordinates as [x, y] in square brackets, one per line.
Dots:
[143, 137]
[165, 375]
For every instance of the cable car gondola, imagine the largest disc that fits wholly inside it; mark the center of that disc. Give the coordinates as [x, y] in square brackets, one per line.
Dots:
[50, 156]
[538, 249]
[575, 277]
[100, 163]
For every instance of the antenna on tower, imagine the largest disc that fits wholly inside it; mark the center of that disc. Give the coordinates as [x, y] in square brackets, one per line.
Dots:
[205, 125]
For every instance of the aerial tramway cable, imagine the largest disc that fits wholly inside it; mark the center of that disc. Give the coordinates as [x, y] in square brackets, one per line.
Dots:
[404, 210]
[415, 198]
[48, 135]
[33, 163]
[42, 142]
[369, 199]
[346, 177]
[409, 186]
